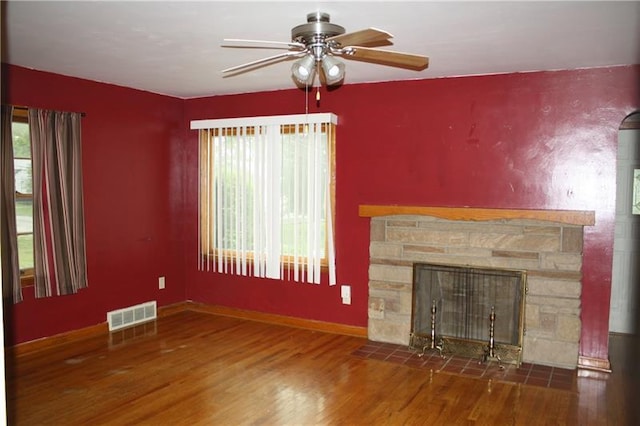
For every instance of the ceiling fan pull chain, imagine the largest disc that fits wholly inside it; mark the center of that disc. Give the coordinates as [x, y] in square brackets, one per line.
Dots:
[306, 99]
[318, 85]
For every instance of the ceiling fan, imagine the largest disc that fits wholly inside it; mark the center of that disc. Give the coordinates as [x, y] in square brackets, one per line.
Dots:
[318, 43]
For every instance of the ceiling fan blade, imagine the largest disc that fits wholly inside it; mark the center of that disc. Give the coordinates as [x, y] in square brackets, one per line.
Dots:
[263, 44]
[359, 38]
[262, 61]
[386, 57]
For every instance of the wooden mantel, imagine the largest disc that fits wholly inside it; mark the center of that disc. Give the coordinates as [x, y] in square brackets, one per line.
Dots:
[571, 217]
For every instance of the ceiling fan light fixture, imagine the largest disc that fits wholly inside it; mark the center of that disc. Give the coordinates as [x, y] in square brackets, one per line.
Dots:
[333, 70]
[304, 69]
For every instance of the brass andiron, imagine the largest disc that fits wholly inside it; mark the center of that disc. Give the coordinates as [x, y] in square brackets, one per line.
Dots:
[432, 341]
[490, 350]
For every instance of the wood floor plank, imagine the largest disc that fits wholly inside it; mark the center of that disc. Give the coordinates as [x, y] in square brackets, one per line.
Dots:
[194, 368]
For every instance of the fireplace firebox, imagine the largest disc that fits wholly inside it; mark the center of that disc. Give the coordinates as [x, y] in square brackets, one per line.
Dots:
[470, 311]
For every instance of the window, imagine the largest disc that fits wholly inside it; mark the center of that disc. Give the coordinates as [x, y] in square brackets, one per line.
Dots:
[23, 172]
[43, 191]
[267, 191]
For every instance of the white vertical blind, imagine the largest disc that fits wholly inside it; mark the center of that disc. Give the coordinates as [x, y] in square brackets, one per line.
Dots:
[265, 196]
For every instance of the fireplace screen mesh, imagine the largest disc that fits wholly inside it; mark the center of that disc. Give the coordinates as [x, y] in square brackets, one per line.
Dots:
[457, 302]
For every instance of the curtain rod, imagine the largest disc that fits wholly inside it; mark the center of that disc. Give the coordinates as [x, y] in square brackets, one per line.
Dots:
[21, 107]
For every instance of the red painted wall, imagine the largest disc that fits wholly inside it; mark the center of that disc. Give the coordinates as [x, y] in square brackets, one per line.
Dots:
[536, 140]
[544, 140]
[129, 138]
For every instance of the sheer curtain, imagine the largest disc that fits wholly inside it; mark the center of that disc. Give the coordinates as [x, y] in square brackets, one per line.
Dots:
[59, 238]
[9, 245]
[266, 186]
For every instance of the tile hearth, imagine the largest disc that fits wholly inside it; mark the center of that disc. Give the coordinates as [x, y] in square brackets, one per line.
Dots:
[527, 374]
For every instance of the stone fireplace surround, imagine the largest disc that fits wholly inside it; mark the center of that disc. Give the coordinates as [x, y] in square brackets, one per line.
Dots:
[546, 243]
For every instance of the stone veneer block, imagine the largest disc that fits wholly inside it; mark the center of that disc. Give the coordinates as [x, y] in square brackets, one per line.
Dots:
[390, 331]
[568, 328]
[467, 227]
[559, 304]
[426, 236]
[478, 261]
[550, 352]
[531, 255]
[548, 321]
[391, 273]
[572, 239]
[561, 261]
[471, 252]
[401, 223]
[391, 262]
[378, 230]
[556, 275]
[530, 242]
[385, 250]
[545, 230]
[386, 285]
[557, 288]
[397, 302]
[532, 317]
[376, 307]
[409, 248]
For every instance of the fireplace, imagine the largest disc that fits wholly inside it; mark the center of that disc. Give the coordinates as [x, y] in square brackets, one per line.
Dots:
[547, 244]
[477, 312]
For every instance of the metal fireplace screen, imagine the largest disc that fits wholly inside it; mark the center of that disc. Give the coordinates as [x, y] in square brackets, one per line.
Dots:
[468, 311]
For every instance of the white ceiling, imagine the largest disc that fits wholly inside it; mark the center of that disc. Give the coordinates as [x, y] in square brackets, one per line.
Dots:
[174, 47]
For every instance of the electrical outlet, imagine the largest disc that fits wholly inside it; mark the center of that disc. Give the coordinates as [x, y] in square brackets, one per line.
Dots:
[161, 283]
[345, 293]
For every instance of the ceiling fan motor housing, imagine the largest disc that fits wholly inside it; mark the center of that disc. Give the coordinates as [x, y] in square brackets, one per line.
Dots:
[316, 30]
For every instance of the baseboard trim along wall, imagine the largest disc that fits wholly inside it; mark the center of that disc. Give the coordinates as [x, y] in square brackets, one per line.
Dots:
[80, 334]
[58, 340]
[595, 364]
[327, 327]
[103, 329]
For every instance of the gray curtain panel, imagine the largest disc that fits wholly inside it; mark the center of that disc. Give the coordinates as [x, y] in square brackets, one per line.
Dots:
[11, 287]
[59, 236]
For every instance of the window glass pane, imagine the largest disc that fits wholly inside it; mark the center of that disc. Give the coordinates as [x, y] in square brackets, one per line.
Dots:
[297, 162]
[25, 251]
[23, 183]
[22, 155]
[21, 140]
[233, 184]
[24, 215]
[23, 174]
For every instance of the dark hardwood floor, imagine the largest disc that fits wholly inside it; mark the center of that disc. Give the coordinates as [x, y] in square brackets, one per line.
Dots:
[201, 369]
